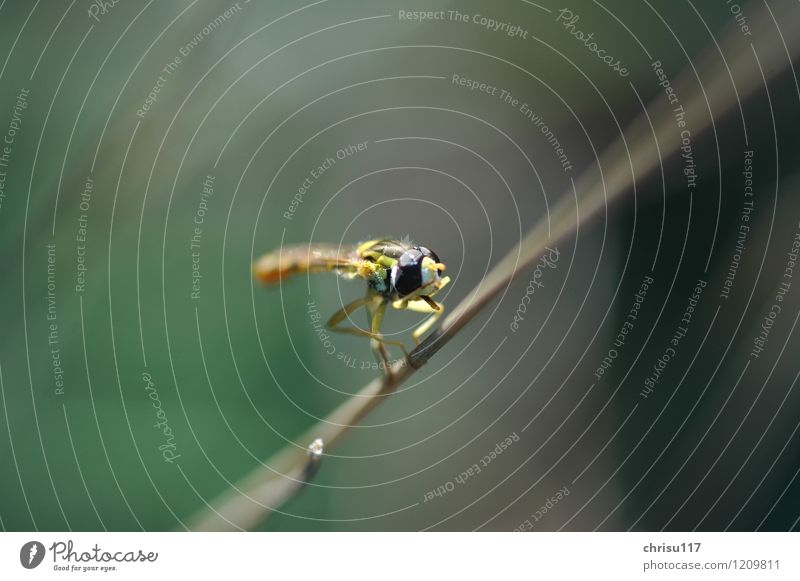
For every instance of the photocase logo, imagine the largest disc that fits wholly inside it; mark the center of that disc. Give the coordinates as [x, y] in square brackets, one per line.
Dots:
[31, 554]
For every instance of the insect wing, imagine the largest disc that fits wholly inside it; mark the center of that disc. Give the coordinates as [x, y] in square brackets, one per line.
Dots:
[304, 258]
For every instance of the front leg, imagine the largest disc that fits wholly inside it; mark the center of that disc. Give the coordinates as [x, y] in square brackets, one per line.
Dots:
[426, 305]
[376, 308]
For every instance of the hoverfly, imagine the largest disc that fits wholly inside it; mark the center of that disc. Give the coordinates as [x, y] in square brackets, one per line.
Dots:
[397, 272]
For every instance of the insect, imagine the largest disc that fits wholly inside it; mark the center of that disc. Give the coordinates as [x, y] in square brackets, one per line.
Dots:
[397, 272]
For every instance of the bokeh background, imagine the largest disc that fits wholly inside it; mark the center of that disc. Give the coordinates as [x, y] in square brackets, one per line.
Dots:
[261, 95]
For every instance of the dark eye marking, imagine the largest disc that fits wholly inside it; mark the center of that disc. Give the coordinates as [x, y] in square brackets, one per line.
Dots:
[409, 272]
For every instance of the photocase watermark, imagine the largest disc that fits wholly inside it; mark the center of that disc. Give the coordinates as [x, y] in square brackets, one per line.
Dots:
[319, 328]
[738, 15]
[491, 24]
[626, 328]
[549, 260]
[168, 448]
[14, 126]
[99, 8]
[82, 234]
[568, 19]
[67, 558]
[743, 230]
[169, 69]
[508, 98]
[671, 351]
[317, 172]
[473, 470]
[679, 115]
[31, 554]
[53, 338]
[196, 238]
[548, 506]
[775, 310]
[95, 557]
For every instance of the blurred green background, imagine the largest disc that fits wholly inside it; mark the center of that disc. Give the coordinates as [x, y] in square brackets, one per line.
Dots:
[262, 94]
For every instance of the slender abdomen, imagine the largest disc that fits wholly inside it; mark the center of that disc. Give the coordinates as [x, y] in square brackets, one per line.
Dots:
[287, 261]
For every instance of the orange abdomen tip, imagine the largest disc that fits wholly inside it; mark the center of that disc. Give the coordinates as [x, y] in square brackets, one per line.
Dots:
[269, 269]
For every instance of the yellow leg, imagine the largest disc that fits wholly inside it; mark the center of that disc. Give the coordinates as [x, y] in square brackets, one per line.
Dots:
[376, 311]
[420, 307]
[344, 313]
[376, 307]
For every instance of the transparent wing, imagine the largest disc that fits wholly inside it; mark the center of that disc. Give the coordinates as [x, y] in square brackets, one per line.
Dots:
[306, 258]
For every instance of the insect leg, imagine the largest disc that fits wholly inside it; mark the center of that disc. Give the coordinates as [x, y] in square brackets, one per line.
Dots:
[376, 310]
[376, 307]
[420, 307]
[344, 313]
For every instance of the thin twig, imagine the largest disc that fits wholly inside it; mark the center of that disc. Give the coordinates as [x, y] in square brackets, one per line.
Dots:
[634, 156]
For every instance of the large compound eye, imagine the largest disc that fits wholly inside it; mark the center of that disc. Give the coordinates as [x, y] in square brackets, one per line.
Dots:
[429, 253]
[407, 273]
